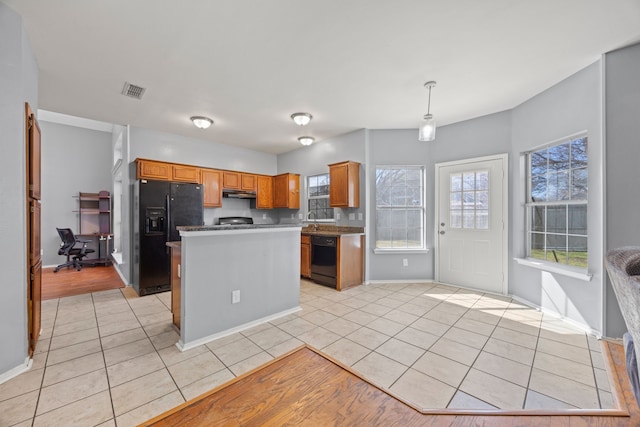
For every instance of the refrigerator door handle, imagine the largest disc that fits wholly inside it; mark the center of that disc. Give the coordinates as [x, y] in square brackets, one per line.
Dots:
[168, 224]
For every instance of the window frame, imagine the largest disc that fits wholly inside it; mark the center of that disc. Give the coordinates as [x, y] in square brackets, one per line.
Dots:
[309, 198]
[422, 208]
[529, 206]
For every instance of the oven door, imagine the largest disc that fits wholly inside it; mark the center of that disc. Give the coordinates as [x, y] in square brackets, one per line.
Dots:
[323, 260]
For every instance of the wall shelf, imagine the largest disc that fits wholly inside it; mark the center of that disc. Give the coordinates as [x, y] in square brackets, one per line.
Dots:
[94, 219]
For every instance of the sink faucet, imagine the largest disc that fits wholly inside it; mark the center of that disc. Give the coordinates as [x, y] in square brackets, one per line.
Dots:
[315, 221]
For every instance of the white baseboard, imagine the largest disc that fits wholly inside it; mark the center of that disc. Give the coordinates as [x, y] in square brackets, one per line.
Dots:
[398, 282]
[188, 346]
[12, 373]
[117, 268]
[572, 322]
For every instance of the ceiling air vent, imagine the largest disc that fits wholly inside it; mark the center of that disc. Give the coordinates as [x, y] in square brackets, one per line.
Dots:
[133, 91]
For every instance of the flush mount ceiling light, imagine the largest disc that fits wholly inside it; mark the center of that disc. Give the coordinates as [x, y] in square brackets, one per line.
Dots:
[427, 130]
[201, 122]
[306, 140]
[301, 119]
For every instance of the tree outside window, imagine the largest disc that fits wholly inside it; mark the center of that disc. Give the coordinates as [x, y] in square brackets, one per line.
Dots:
[318, 198]
[400, 207]
[557, 203]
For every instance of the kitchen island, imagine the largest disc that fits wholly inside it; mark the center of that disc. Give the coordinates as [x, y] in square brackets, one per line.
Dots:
[235, 277]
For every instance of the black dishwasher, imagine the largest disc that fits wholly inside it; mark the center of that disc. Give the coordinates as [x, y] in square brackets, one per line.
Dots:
[323, 260]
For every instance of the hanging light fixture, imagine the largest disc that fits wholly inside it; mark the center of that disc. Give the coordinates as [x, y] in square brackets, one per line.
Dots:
[306, 140]
[201, 122]
[301, 119]
[427, 130]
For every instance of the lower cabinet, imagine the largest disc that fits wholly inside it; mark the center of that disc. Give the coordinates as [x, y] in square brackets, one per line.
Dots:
[305, 256]
[350, 261]
[176, 259]
[346, 256]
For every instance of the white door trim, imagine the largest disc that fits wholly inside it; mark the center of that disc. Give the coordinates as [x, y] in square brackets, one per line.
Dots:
[504, 158]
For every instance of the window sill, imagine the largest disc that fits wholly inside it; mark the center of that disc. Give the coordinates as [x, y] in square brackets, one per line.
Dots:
[552, 268]
[379, 251]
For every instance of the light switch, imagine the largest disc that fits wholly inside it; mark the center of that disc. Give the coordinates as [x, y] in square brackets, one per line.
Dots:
[235, 296]
[352, 217]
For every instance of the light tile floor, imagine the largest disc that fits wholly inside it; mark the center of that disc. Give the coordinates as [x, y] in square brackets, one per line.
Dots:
[107, 360]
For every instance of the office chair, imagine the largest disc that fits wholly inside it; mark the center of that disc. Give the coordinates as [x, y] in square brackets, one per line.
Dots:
[69, 249]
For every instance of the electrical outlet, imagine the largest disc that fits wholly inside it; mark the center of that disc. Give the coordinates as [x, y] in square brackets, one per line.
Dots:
[299, 216]
[337, 216]
[352, 217]
[235, 297]
[405, 262]
[264, 216]
[360, 217]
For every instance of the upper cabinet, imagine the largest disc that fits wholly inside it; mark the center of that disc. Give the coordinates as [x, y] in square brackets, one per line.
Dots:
[286, 191]
[239, 181]
[149, 169]
[211, 181]
[231, 180]
[164, 171]
[184, 173]
[264, 192]
[344, 190]
[248, 182]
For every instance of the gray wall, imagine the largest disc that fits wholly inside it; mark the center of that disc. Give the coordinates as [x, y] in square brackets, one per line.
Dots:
[571, 106]
[622, 105]
[18, 83]
[74, 160]
[314, 159]
[473, 138]
[149, 144]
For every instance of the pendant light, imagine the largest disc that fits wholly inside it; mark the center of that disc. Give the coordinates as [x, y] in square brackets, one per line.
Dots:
[427, 129]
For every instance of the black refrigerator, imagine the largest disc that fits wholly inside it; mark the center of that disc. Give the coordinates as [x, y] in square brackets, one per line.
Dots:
[158, 208]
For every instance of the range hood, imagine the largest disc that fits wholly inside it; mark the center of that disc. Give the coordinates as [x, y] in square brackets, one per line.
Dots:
[238, 194]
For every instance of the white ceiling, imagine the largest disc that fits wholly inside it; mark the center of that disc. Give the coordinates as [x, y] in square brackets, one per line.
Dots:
[351, 63]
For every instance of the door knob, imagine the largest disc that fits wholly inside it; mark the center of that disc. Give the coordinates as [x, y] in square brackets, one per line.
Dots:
[441, 231]
[442, 224]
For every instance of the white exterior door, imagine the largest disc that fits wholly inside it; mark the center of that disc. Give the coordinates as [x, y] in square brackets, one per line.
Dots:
[471, 227]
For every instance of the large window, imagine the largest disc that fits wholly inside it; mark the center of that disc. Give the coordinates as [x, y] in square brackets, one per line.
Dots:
[318, 198]
[400, 207]
[557, 203]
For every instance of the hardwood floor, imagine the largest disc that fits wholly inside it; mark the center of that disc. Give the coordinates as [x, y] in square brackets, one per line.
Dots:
[69, 281]
[305, 388]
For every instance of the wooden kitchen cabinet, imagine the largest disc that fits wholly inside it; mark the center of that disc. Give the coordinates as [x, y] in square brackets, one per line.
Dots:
[184, 173]
[350, 261]
[231, 180]
[305, 256]
[176, 281]
[344, 191]
[286, 191]
[264, 192]
[211, 181]
[150, 169]
[248, 182]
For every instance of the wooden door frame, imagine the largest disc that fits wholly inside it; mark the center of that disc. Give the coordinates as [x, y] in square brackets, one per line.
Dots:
[504, 158]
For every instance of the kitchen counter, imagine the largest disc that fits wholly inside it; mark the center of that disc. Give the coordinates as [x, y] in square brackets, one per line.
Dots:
[331, 230]
[233, 227]
[234, 277]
